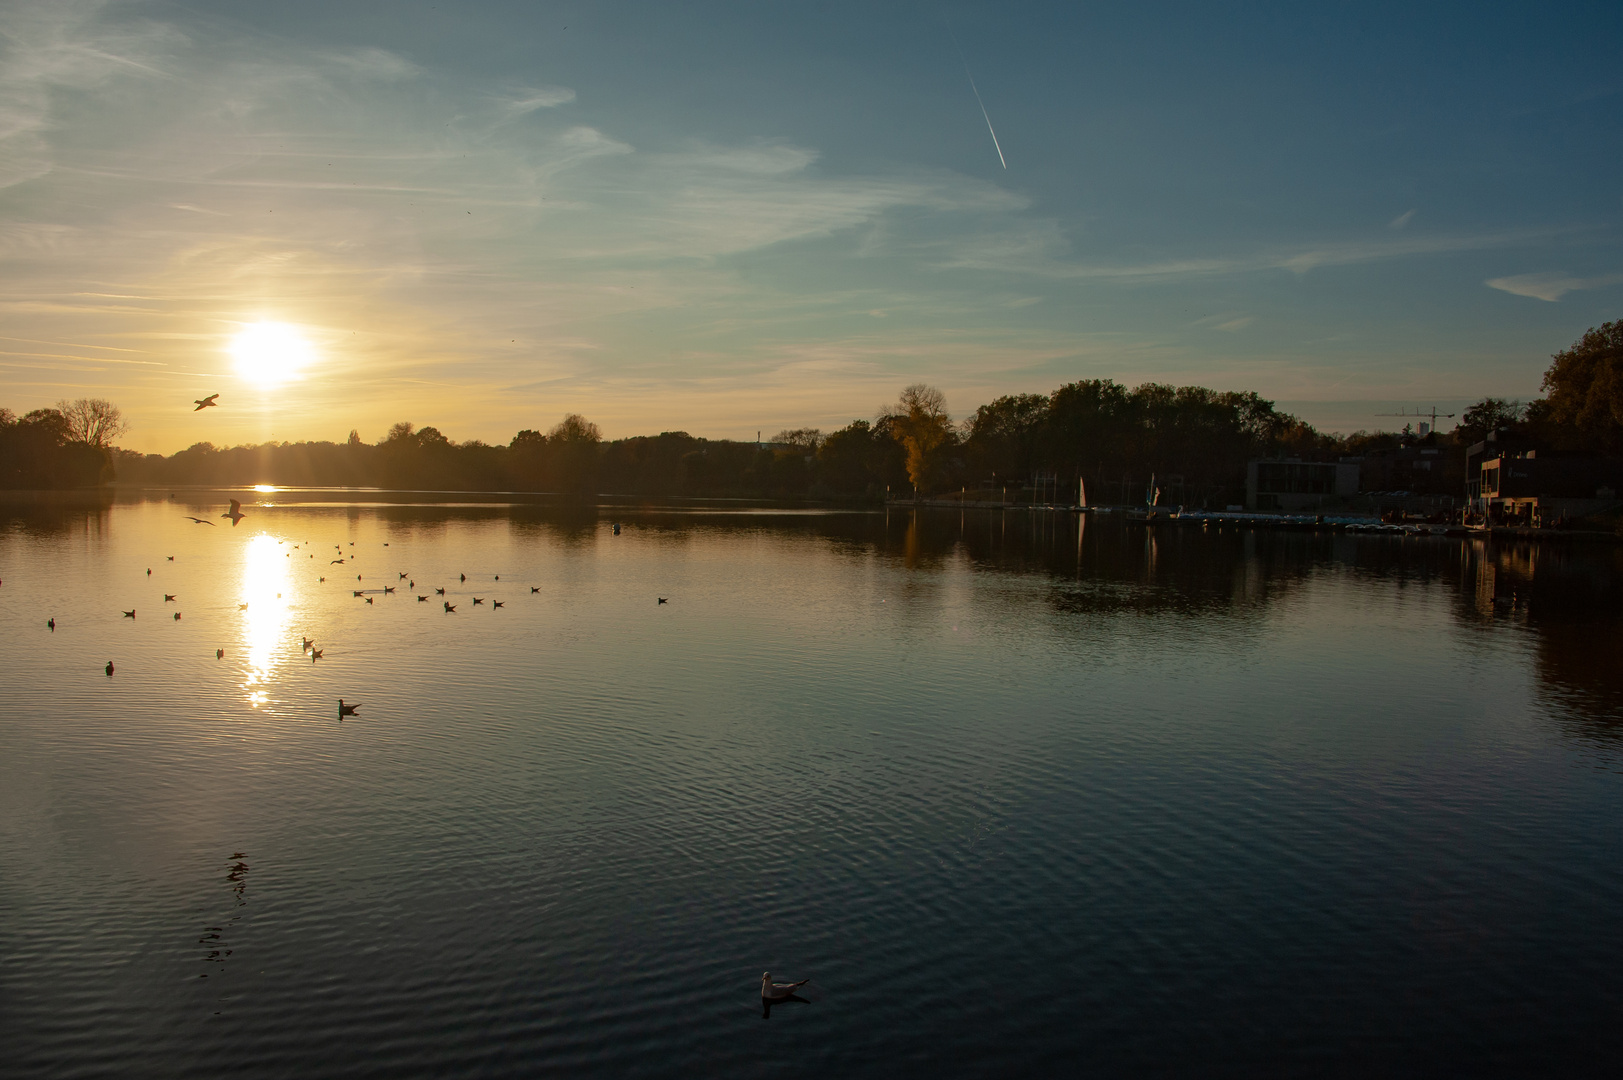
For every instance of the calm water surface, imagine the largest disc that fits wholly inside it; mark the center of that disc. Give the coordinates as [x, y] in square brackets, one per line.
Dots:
[1017, 792]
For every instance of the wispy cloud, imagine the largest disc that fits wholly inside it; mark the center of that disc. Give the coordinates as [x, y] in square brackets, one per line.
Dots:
[1550, 287]
[1401, 220]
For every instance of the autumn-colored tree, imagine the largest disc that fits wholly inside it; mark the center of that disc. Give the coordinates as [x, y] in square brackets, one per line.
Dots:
[920, 422]
[1584, 390]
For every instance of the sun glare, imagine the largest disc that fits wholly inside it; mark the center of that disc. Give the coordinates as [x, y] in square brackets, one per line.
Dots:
[269, 353]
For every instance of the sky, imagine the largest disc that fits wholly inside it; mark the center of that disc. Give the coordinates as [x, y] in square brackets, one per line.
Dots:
[727, 218]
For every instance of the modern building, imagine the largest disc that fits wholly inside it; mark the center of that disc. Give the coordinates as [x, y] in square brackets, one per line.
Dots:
[1538, 487]
[1294, 484]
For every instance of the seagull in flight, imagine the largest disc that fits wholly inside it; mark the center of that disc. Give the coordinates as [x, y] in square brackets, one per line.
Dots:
[235, 513]
[200, 521]
[205, 403]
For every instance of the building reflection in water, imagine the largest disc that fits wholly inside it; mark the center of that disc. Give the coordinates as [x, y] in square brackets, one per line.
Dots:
[266, 589]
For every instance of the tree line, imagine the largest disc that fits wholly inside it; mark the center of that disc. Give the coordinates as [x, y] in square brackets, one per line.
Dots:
[1190, 442]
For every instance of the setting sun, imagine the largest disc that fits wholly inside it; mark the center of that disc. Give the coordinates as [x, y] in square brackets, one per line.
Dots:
[268, 353]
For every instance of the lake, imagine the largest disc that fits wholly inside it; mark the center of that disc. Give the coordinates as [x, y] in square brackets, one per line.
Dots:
[1017, 791]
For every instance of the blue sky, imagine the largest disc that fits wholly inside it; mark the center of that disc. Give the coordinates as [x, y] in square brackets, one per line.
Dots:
[726, 218]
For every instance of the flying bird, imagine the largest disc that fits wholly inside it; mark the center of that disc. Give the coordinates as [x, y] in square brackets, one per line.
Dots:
[346, 710]
[336, 562]
[771, 991]
[205, 403]
[235, 513]
[200, 521]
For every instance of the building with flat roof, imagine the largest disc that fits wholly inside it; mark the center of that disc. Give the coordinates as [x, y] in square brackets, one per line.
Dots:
[1536, 487]
[1294, 484]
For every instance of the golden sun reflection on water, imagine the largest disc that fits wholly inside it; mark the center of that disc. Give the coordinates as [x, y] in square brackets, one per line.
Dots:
[265, 589]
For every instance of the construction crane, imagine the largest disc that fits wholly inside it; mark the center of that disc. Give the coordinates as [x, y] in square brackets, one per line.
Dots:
[1418, 415]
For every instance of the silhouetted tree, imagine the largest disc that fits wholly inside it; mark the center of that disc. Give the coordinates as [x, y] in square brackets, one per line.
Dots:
[1489, 414]
[95, 422]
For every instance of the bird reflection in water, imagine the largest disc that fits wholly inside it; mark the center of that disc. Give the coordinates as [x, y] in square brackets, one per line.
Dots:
[214, 937]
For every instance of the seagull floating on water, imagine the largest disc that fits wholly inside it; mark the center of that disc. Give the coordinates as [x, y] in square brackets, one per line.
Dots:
[497, 603]
[315, 654]
[129, 614]
[346, 710]
[51, 622]
[535, 588]
[478, 599]
[109, 667]
[171, 558]
[449, 607]
[771, 991]
[205, 403]
[440, 592]
[662, 600]
[219, 654]
[177, 616]
[168, 596]
[422, 599]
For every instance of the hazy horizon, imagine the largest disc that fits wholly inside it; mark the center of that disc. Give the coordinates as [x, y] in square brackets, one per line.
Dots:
[727, 218]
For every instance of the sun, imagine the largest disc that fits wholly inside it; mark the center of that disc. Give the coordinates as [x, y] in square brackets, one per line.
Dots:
[269, 353]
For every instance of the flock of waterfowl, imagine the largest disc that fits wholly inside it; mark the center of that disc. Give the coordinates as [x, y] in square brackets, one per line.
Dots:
[236, 515]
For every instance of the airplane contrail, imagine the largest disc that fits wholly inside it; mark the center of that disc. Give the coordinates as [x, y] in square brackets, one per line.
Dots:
[978, 101]
[982, 104]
